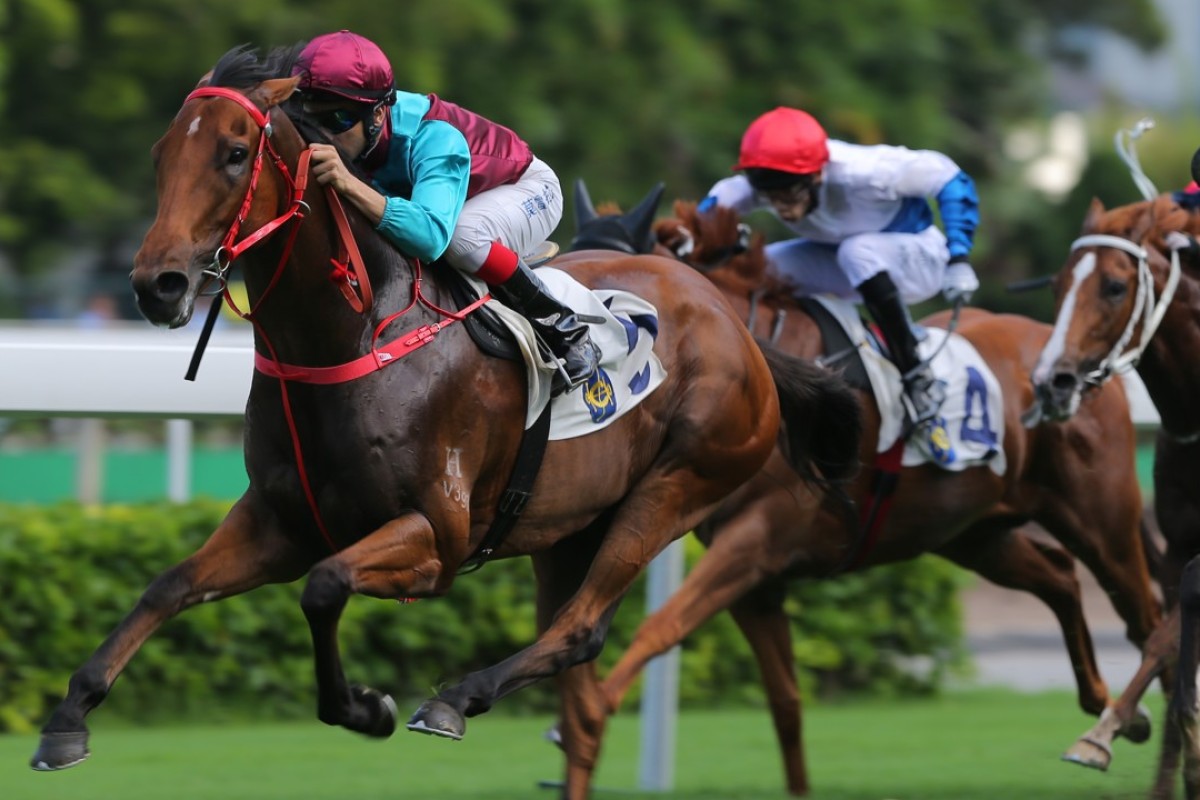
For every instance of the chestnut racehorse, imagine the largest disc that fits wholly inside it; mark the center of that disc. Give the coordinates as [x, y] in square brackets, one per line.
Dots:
[1075, 478]
[1129, 295]
[386, 483]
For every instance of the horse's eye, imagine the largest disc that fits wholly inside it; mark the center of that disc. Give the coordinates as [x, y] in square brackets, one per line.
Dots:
[1113, 290]
[238, 155]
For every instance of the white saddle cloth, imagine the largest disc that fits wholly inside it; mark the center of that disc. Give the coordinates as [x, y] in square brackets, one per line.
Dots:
[629, 370]
[974, 407]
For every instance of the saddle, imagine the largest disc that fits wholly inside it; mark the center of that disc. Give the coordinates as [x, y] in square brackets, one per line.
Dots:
[490, 334]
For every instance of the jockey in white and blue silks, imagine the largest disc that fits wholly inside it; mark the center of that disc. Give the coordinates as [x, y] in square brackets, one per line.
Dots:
[444, 182]
[866, 228]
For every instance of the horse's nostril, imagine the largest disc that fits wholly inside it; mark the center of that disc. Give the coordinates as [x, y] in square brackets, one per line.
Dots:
[171, 286]
[1064, 381]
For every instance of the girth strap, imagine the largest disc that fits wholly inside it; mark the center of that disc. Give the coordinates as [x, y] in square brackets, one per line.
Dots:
[520, 487]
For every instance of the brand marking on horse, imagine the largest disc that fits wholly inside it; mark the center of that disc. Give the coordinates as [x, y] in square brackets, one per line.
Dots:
[452, 487]
[456, 492]
[454, 462]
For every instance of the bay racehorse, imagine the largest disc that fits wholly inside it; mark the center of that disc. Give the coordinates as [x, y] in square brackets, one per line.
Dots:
[1129, 295]
[1075, 478]
[376, 464]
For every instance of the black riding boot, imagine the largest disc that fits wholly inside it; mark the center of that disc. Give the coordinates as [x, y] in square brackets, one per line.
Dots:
[882, 299]
[558, 326]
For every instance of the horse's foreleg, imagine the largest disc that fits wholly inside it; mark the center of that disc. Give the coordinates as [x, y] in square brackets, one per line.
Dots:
[243, 553]
[774, 523]
[762, 620]
[396, 561]
[1094, 748]
[1013, 560]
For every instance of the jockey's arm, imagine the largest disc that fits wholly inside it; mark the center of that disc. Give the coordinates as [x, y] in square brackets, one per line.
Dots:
[438, 169]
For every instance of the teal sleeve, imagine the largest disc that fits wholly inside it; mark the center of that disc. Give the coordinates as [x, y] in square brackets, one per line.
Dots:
[440, 166]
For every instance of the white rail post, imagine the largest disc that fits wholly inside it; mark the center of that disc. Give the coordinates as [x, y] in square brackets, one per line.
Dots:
[660, 695]
[179, 460]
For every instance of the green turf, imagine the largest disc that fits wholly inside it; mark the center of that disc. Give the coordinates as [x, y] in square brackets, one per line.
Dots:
[990, 745]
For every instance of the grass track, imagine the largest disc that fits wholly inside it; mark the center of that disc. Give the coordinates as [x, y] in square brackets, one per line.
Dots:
[991, 745]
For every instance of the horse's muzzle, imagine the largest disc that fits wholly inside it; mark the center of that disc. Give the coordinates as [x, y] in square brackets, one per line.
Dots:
[1058, 397]
[163, 297]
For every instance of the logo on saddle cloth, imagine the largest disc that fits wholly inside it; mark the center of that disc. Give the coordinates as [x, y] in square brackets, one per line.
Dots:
[599, 396]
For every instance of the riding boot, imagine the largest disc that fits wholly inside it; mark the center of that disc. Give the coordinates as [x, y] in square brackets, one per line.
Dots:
[559, 328]
[924, 393]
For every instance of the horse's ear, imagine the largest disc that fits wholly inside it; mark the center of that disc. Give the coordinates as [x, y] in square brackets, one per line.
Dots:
[204, 79]
[641, 218]
[1094, 212]
[585, 212]
[269, 94]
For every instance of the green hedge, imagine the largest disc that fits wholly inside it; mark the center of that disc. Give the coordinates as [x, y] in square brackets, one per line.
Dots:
[68, 574]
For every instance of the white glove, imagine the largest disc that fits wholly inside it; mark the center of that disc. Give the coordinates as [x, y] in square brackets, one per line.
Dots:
[959, 282]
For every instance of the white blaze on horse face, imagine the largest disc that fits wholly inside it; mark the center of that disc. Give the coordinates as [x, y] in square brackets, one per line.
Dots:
[1058, 338]
[195, 126]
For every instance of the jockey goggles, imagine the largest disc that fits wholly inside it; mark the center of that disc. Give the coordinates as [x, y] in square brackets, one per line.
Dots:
[336, 120]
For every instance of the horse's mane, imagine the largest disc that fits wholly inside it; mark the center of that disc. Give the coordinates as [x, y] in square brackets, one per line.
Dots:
[715, 234]
[1148, 221]
[244, 66]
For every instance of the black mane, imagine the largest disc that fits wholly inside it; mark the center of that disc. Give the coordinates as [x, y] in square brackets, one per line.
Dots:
[243, 67]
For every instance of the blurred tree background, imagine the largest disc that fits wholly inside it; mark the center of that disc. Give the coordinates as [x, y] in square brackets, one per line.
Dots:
[619, 92]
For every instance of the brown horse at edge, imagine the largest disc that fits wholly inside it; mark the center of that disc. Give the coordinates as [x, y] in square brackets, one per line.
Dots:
[1120, 281]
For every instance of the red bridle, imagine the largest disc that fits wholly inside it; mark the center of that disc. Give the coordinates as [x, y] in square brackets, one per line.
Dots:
[230, 249]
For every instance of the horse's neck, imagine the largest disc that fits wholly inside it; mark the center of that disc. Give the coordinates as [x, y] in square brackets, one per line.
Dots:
[305, 316]
[1169, 367]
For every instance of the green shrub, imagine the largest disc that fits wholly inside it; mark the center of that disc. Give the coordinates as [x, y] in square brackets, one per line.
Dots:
[69, 574]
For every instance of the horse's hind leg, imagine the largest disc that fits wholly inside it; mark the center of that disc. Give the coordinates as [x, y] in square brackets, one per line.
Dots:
[762, 620]
[243, 553]
[398, 560]
[651, 516]
[773, 527]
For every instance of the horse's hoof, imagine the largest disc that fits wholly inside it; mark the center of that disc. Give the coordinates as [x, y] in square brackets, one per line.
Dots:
[1138, 729]
[438, 718]
[60, 751]
[382, 714]
[1089, 753]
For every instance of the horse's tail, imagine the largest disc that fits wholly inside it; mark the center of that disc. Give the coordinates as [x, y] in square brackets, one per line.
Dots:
[822, 419]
